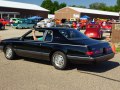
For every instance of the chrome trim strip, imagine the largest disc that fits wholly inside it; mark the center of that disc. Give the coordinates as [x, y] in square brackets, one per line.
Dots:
[32, 51]
[67, 44]
[78, 57]
[90, 58]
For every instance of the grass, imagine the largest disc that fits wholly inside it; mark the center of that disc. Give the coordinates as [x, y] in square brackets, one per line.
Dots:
[118, 49]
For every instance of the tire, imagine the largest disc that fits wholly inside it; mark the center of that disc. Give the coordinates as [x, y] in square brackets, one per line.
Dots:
[59, 60]
[9, 53]
[101, 36]
[3, 27]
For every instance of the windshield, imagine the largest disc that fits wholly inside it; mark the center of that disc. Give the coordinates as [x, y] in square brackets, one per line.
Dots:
[72, 34]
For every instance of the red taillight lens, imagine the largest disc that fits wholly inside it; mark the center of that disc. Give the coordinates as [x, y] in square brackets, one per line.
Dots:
[89, 53]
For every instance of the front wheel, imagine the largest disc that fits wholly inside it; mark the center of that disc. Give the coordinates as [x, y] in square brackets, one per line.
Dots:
[3, 27]
[59, 60]
[9, 53]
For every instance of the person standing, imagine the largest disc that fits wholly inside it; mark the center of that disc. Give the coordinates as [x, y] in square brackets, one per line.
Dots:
[74, 25]
[78, 26]
[108, 39]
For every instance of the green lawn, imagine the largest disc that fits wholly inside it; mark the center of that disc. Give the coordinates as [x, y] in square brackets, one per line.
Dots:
[118, 49]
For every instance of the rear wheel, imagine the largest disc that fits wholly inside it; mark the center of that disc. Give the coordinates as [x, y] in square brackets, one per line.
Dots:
[59, 60]
[101, 36]
[9, 52]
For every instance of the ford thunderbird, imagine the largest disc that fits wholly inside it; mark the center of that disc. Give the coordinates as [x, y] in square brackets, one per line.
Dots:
[58, 45]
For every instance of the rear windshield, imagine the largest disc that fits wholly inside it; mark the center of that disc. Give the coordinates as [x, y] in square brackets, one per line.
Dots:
[92, 26]
[73, 34]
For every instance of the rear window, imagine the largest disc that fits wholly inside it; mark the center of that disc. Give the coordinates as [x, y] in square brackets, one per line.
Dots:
[92, 26]
[72, 34]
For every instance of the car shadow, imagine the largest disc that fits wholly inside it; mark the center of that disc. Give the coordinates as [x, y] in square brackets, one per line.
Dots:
[37, 61]
[4, 30]
[97, 68]
[91, 69]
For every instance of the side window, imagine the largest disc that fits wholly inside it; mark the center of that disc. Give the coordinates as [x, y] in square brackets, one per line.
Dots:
[64, 33]
[38, 34]
[49, 36]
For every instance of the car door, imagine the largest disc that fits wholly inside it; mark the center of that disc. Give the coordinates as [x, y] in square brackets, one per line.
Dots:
[28, 47]
[46, 47]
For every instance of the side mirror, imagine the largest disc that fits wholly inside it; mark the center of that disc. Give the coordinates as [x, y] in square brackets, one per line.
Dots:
[21, 39]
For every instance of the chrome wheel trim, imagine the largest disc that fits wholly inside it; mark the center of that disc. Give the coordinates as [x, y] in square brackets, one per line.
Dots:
[8, 52]
[58, 60]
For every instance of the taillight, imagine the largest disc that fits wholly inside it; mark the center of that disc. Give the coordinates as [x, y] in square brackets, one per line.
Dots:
[89, 53]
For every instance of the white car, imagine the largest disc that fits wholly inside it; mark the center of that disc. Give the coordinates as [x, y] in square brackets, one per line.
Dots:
[44, 22]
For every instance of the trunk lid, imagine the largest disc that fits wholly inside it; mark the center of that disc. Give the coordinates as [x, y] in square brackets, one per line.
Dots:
[97, 47]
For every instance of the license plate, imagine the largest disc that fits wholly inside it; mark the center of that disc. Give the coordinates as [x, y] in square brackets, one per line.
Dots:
[91, 34]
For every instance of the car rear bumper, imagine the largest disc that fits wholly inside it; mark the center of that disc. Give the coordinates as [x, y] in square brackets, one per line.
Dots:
[87, 60]
[106, 31]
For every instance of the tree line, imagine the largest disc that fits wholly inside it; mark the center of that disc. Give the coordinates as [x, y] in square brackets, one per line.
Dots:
[55, 5]
[52, 5]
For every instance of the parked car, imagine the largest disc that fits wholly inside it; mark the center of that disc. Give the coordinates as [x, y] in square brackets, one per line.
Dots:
[67, 24]
[14, 20]
[94, 31]
[83, 25]
[107, 28]
[43, 23]
[24, 23]
[2, 26]
[4, 22]
[72, 19]
[59, 45]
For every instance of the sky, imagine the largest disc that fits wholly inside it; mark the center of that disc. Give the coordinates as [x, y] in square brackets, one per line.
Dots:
[71, 2]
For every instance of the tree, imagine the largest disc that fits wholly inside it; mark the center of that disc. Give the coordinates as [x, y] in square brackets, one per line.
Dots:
[62, 5]
[80, 6]
[98, 6]
[73, 6]
[52, 6]
[55, 5]
[118, 3]
[48, 4]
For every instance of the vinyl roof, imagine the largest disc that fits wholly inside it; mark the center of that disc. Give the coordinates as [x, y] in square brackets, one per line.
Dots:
[11, 4]
[92, 11]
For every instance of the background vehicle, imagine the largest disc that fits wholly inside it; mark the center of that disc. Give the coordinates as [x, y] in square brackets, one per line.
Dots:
[59, 45]
[2, 27]
[107, 27]
[67, 24]
[4, 22]
[24, 23]
[72, 19]
[14, 20]
[44, 22]
[94, 31]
